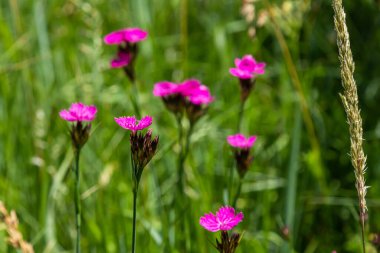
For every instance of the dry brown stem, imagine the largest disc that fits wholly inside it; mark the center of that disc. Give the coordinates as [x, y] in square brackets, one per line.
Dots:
[15, 237]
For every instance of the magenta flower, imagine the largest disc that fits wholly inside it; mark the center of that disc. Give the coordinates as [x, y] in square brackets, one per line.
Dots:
[225, 219]
[163, 89]
[188, 87]
[201, 96]
[247, 67]
[127, 51]
[240, 141]
[79, 112]
[128, 35]
[122, 60]
[195, 91]
[131, 123]
[242, 147]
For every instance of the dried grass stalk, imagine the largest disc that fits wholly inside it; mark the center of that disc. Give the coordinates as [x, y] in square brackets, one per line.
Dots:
[15, 237]
[351, 106]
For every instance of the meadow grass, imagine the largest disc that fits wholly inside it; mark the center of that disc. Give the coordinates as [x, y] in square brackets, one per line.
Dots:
[298, 195]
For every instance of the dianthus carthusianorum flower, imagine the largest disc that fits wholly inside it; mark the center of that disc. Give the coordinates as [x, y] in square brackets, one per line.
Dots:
[131, 123]
[240, 141]
[242, 146]
[79, 113]
[126, 39]
[224, 220]
[127, 35]
[246, 69]
[190, 95]
[143, 148]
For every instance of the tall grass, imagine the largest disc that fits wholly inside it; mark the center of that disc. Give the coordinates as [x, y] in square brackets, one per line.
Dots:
[351, 105]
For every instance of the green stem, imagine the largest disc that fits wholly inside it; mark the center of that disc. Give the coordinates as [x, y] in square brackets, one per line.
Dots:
[180, 159]
[240, 115]
[362, 225]
[77, 199]
[237, 194]
[187, 142]
[134, 97]
[134, 220]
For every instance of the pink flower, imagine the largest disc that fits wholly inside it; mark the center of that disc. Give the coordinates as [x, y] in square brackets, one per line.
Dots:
[122, 60]
[225, 219]
[188, 87]
[131, 123]
[240, 141]
[201, 96]
[79, 112]
[163, 89]
[196, 92]
[131, 35]
[247, 67]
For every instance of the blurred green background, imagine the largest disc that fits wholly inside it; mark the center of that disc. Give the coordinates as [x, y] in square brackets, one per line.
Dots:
[52, 54]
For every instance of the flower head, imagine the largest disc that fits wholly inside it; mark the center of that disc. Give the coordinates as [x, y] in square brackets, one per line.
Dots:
[190, 95]
[242, 147]
[79, 112]
[165, 88]
[201, 96]
[126, 39]
[123, 59]
[127, 35]
[189, 87]
[240, 141]
[131, 123]
[143, 146]
[247, 67]
[246, 70]
[224, 219]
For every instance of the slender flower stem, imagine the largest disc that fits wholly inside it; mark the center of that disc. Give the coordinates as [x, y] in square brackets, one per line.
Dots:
[133, 96]
[135, 190]
[134, 220]
[77, 199]
[182, 157]
[187, 143]
[181, 148]
[180, 187]
[240, 115]
[184, 150]
[239, 122]
[237, 194]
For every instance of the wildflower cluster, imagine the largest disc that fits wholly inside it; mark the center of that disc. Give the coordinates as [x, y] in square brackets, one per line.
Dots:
[190, 96]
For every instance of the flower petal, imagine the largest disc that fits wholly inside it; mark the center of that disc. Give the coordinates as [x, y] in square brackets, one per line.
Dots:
[79, 112]
[164, 88]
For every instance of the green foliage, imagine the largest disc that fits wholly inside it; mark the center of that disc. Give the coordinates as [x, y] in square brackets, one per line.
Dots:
[52, 54]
